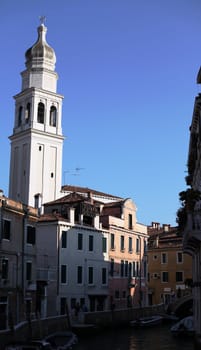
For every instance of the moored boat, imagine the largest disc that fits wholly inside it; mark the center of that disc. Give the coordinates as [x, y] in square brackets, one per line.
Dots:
[62, 340]
[148, 321]
[184, 327]
[31, 345]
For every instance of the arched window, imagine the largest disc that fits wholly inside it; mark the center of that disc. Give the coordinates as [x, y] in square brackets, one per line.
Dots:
[41, 112]
[53, 116]
[20, 116]
[28, 112]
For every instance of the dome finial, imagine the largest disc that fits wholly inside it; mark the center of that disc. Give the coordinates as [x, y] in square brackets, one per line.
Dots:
[42, 20]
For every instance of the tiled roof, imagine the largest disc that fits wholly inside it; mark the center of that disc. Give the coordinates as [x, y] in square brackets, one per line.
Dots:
[70, 198]
[50, 217]
[87, 190]
[114, 204]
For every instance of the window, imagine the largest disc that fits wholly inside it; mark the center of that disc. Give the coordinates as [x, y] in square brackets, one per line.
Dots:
[63, 304]
[31, 235]
[27, 112]
[79, 274]
[80, 241]
[117, 294]
[90, 275]
[145, 269]
[36, 200]
[164, 276]
[126, 268]
[6, 229]
[155, 257]
[134, 269]
[63, 273]
[122, 243]
[129, 270]
[145, 246]
[91, 243]
[137, 245]
[4, 268]
[53, 116]
[130, 221]
[64, 239]
[72, 303]
[179, 276]
[112, 267]
[164, 258]
[41, 113]
[130, 245]
[104, 244]
[122, 268]
[104, 275]
[137, 269]
[179, 257]
[112, 241]
[19, 122]
[28, 270]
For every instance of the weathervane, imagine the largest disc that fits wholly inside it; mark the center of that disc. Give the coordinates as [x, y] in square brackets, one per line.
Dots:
[42, 19]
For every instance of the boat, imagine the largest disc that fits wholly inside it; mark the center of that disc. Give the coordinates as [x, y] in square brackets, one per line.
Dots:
[31, 345]
[185, 327]
[148, 321]
[62, 340]
[169, 318]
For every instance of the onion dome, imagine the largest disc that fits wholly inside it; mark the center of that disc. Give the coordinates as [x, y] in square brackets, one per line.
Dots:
[40, 55]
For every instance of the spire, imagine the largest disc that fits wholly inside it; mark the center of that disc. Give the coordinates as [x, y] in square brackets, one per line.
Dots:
[41, 55]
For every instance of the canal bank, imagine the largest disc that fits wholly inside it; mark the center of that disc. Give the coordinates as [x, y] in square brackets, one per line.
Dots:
[39, 328]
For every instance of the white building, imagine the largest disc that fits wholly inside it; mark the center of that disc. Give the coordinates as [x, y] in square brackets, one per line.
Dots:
[69, 234]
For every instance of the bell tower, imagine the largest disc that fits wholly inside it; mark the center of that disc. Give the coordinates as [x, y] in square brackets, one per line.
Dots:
[37, 140]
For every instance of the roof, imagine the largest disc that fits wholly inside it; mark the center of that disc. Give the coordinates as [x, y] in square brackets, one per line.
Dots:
[79, 189]
[70, 198]
[51, 217]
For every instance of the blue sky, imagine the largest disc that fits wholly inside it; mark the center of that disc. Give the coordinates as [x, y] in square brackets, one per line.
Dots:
[127, 70]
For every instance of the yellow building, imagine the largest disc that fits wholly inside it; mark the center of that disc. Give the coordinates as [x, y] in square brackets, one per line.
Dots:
[170, 269]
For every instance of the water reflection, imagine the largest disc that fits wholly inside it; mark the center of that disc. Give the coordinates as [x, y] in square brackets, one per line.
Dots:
[157, 338]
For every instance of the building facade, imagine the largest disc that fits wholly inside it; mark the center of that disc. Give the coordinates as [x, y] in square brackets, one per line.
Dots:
[98, 251]
[189, 218]
[170, 269]
[17, 262]
[127, 254]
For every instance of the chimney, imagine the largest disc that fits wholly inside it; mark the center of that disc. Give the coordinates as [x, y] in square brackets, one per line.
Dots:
[89, 196]
[166, 227]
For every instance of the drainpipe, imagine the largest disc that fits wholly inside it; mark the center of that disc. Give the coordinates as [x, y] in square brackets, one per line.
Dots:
[58, 266]
[24, 222]
[140, 286]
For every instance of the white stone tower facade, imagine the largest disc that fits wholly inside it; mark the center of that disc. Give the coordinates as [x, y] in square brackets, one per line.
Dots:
[37, 140]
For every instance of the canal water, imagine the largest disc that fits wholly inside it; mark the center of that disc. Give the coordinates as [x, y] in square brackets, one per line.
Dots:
[155, 338]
